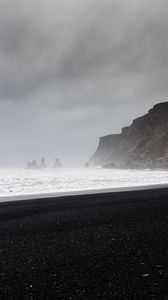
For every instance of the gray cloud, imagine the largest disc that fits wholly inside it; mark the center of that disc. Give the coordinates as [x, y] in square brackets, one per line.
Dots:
[72, 70]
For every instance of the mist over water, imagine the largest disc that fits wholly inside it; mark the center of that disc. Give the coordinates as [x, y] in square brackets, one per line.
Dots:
[28, 182]
[74, 70]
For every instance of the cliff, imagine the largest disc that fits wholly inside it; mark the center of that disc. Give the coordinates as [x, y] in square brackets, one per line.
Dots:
[143, 144]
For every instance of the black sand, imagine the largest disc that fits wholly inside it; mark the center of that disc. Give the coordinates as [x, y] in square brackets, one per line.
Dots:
[106, 246]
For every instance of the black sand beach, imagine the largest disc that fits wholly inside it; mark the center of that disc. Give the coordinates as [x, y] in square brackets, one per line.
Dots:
[104, 246]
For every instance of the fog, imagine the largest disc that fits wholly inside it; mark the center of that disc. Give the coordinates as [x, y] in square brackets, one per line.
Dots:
[74, 70]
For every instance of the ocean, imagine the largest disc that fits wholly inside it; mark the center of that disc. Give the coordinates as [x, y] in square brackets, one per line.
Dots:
[15, 182]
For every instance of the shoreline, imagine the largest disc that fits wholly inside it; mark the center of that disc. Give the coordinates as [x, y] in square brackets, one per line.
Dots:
[101, 191]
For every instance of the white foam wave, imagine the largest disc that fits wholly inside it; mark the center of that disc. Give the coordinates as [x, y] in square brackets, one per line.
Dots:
[28, 182]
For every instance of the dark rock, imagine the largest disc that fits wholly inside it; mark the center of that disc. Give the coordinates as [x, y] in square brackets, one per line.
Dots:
[32, 165]
[57, 163]
[43, 163]
[143, 144]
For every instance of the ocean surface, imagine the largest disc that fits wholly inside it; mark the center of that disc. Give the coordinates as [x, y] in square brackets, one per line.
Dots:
[15, 182]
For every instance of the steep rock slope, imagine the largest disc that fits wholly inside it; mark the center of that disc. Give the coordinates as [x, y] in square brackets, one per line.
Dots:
[143, 144]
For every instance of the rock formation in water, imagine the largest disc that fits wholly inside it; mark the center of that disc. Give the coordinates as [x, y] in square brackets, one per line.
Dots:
[143, 144]
[57, 163]
[32, 165]
[43, 163]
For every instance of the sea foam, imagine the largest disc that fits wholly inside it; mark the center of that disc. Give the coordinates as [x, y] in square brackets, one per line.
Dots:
[28, 182]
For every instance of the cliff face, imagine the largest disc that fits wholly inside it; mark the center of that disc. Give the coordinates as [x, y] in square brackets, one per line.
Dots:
[143, 144]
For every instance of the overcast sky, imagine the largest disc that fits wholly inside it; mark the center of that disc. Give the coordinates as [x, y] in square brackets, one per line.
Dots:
[74, 70]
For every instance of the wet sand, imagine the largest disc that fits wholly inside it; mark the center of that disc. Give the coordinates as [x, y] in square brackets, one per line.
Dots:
[103, 246]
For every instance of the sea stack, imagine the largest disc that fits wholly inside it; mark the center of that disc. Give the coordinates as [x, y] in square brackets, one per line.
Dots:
[32, 165]
[57, 163]
[43, 163]
[143, 144]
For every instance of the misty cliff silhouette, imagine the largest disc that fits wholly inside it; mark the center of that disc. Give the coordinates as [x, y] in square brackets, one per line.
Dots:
[143, 144]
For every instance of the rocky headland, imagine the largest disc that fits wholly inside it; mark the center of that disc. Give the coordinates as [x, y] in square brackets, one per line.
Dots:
[143, 144]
